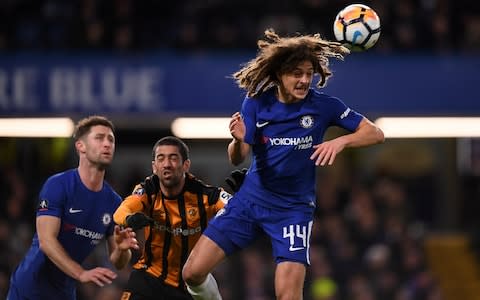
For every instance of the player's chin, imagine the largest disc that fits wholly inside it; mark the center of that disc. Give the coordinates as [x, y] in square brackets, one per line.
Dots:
[106, 157]
[300, 94]
[105, 162]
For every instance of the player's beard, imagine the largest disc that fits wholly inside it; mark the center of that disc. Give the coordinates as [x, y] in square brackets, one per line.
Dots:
[102, 165]
[171, 182]
[100, 162]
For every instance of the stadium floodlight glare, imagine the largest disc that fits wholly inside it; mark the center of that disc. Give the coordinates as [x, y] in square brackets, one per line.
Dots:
[201, 128]
[429, 127]
[36, 127]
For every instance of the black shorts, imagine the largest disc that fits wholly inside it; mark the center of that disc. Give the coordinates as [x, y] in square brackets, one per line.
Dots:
[143, 286]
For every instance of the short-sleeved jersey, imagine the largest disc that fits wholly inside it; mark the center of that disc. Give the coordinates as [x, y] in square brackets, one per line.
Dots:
[86, 218]
[179, 223]
[282, 136]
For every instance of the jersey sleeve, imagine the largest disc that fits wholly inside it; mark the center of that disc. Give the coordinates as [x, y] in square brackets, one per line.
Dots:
[223, 198]
[52, 198]
[136, 202]
[249, 118]
[343, 116]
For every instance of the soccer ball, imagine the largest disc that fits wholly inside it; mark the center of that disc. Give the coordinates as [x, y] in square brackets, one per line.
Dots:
[357, 26]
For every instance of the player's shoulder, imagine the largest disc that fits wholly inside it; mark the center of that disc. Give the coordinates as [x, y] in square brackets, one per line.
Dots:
[63, 175]
[109, 189]
[263, 98]
[138, 190]
[61, 178]
[320, 97]
[325, 101]
[196, 185]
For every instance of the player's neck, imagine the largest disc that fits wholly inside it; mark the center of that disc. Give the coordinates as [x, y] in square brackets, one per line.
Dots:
[286, 98]
[91, 176]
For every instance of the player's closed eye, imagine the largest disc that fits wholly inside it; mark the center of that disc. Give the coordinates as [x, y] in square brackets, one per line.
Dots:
[171, 158]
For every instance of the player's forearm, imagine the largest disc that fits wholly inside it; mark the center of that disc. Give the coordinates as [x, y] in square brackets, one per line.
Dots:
[57, 254]
[120, 258]
[367, 134]
[130, 205]
[363, 138]
[120, 215]
[237, 152]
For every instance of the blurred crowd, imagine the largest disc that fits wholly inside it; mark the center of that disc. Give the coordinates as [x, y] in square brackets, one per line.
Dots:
[128, 25]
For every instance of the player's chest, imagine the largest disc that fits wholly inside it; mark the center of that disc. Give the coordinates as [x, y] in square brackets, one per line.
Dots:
[286, 121]
[177, 213]
[88, 212]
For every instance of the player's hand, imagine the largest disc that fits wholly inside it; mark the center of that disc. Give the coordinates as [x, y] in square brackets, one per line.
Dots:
[99, 276]
[326, 152]
[151, 185]
[138, 220]
[236, 178]
[237, 127]
[125, 238]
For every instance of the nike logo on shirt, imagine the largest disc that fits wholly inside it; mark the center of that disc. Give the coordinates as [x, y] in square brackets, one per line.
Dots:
[260, 125]
[295, 248]
[74, 211]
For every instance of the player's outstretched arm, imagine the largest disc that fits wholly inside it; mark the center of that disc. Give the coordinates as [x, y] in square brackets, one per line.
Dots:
[47, 229]
[119, 245]
[367, 133]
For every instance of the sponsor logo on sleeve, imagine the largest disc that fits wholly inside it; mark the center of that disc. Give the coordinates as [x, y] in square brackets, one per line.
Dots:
[224, 196]
[345, 113]
[139, 191]
[43, 205]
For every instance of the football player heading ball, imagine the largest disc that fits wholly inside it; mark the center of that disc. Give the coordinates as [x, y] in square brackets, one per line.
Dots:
[282, 124]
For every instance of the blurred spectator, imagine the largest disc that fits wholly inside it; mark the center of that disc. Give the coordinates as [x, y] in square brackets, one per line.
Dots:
[407, 25]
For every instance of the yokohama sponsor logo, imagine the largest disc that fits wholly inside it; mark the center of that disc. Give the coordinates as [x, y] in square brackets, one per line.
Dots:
[88, 234]
[290, 141]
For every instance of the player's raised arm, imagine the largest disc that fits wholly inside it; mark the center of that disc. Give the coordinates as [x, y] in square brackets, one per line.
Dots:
[237, 149]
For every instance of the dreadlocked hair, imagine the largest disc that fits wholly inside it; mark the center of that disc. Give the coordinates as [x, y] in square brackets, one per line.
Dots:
[281, 55]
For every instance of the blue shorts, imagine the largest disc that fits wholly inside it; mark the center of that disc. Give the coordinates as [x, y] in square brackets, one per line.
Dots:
[242, 222]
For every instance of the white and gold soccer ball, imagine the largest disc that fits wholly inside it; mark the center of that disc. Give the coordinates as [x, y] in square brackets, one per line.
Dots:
[357, 26]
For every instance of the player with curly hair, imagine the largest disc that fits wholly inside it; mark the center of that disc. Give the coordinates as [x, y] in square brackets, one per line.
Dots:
[282, 123]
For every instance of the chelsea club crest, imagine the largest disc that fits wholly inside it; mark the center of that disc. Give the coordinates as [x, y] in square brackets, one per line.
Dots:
[306, 121]
[106, 219]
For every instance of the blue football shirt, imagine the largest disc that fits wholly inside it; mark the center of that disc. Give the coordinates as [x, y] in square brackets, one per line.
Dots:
[282, 136]
[86, 218]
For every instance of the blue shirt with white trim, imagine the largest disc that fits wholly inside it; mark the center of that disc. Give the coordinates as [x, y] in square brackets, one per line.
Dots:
[86, 219]
[282, 136]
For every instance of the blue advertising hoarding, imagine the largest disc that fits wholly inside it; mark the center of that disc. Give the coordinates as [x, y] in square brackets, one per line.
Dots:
[59, 84]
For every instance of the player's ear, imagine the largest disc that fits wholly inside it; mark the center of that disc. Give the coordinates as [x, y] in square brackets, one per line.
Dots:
[154, 168]
[186, 165]
[80, 146]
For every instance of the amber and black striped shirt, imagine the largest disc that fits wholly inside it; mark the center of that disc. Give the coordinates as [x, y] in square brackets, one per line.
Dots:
[179, 224]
